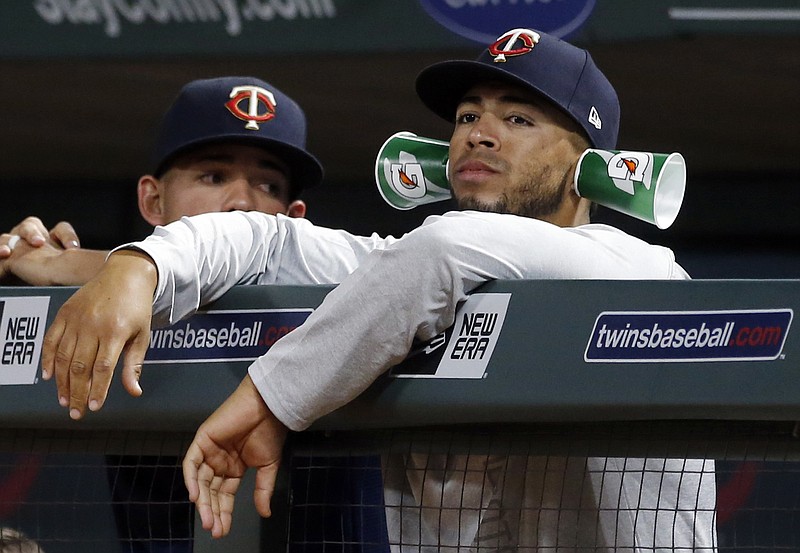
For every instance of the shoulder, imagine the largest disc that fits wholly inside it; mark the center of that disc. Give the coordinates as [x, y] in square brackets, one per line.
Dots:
[645, 260]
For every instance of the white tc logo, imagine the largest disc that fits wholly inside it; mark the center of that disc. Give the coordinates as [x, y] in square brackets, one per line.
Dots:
[505, 44]
[254, 95]
[625, 168]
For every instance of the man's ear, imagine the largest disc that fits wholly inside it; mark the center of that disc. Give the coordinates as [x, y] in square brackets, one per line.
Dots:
[297, 209]
[150, 204]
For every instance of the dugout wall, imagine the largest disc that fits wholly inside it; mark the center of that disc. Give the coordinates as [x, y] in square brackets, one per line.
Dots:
[571, 369]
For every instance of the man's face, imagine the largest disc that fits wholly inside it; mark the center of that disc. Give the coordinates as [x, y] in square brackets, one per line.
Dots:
[511, 152]
[224, 177]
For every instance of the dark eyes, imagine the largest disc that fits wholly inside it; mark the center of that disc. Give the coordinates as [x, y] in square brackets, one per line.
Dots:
[519, 120]
[211, 178]
[268, 186]
[272, 189]
[466, 118]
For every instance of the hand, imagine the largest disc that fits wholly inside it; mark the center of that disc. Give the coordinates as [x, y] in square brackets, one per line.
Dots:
[241, 433]
[32, 231]
[107, 317]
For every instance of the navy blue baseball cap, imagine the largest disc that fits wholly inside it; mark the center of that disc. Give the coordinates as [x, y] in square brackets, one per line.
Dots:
[237, 109]
[564, 74]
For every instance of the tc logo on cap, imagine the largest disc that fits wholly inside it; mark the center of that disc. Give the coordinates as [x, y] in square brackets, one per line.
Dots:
[253, 96]
[506, 44]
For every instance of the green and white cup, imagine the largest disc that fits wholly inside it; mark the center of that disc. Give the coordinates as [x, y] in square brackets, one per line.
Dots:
[411, 170]
[645, 185]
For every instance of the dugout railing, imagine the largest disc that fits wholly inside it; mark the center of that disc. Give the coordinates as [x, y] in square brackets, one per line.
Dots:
[705, 369]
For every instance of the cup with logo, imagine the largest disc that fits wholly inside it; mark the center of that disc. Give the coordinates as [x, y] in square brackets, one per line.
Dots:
[646, 185]
[412, 170]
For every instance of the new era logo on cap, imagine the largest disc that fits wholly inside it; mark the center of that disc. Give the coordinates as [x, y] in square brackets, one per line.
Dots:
[594, 118]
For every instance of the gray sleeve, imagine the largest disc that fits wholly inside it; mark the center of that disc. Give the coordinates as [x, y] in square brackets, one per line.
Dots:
[413, 287]
[200, 258]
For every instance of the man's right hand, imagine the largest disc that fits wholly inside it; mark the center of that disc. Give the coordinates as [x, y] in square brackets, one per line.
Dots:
[32, 255]
[108, 317]
[35, 234]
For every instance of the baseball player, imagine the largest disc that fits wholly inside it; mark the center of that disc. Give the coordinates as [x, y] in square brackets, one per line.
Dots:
[524, 111]
[225, 143]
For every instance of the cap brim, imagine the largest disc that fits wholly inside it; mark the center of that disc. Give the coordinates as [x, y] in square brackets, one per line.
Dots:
[305, 170]
[442, 86]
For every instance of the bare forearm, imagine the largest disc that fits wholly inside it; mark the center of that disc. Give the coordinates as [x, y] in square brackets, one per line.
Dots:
[74, 267]
[47, 265]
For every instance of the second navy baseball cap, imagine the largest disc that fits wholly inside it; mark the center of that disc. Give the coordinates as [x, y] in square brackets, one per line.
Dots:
[564, 74]
[237, 109]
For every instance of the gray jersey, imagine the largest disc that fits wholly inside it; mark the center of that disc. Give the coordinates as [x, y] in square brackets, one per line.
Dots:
[393, 290]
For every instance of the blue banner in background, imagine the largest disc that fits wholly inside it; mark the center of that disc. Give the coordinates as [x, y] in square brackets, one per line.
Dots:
[483, 21]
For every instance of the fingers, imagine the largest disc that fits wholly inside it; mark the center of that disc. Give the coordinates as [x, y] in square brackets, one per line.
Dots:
[265, 487]
[98, 382]
[83, 367]
[218, 529]
[34, 233]
[213, 494]
[58, 348]
[205, 479]
[7, 244]
[65, 236]
[77, 376]
[132, 364]
[226, 495]
[191, 464]
[32, 230]
[131, 373]
[50, 350]
[85, 376]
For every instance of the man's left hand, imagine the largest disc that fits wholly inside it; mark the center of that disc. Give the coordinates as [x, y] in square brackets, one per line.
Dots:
[240, 434]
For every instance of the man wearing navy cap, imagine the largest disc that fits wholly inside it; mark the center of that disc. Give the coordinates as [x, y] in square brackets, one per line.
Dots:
[224, 144]
[523, 114]
[227, 143]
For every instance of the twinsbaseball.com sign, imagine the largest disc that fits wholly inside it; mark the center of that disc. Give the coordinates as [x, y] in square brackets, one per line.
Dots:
[749, 335]
[237, 335]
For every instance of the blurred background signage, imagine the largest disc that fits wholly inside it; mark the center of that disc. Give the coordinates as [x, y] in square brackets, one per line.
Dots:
[126, 28]
[483, 20]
